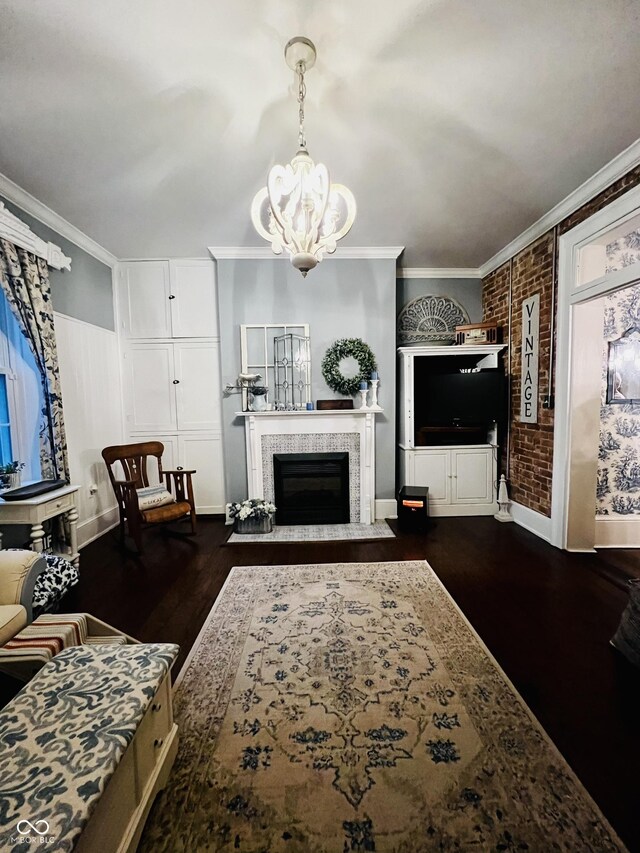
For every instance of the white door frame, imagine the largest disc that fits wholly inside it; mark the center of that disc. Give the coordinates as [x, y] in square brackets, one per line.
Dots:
[569, 297]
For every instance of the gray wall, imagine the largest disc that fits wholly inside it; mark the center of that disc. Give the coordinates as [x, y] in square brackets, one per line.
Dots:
[466, 291]
[84, 292]
[339, 299]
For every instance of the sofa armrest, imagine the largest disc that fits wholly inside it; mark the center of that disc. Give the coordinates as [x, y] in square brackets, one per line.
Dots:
[18, 573]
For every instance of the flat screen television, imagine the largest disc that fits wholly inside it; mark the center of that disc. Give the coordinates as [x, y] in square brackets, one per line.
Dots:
[462, 399]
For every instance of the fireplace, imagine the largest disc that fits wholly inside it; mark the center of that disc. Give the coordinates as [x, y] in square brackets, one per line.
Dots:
[311, 488]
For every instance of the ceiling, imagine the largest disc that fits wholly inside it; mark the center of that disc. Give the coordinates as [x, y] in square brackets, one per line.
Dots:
[456, 123]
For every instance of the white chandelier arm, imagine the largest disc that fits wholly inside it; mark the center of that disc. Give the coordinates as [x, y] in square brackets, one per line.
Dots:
[307, 214]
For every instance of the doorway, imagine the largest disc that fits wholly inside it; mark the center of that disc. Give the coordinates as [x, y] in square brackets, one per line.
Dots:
[597, 259]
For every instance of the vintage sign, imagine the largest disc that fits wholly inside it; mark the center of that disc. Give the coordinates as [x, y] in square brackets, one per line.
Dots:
[530, 352]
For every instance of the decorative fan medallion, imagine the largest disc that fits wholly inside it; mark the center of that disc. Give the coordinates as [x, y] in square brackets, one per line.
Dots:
[431, 320]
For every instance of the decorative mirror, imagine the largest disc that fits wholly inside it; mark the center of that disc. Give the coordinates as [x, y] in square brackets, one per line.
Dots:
[623, 368]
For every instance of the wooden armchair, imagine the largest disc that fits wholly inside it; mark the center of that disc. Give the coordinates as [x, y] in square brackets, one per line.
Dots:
[133, 459]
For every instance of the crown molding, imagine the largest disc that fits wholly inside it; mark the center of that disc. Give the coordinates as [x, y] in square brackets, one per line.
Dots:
[25, 201]
[438, 272]
[611, 172]
[264, 253]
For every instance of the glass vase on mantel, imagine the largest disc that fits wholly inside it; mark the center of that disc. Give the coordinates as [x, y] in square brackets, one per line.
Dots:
[252, 524]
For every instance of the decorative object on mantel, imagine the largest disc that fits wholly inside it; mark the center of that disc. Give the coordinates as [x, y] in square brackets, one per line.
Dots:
[374, 392]
[292, 371]
[300, 210]
[258, 398]
[504, 503]
[364, 390]
[243, 384]
[18, 232]
[254, 515]
[430, 320]
[478, 333]
[332, 405]
[348, 348]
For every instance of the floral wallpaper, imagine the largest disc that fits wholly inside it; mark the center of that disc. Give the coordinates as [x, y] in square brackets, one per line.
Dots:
[623, 252]
[618, 488]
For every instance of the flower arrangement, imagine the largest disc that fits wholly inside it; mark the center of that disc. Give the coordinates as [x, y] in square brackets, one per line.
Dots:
[10, 474]
[251, 508]
[12, 467]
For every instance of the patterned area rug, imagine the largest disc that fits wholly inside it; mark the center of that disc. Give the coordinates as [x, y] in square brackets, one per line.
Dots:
[316, 533]
[351, 707]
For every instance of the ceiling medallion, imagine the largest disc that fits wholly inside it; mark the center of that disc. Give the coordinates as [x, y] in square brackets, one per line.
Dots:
[300, 210]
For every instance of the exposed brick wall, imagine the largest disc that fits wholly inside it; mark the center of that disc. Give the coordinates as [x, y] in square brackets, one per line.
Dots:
[531, 271]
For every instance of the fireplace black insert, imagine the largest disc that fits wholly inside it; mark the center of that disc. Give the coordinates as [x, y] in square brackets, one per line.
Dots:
[311, 488]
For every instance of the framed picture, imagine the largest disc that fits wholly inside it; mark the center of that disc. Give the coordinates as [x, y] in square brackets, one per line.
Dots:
[623, 368]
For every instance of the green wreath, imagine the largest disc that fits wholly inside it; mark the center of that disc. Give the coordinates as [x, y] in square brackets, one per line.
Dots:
[345, 348]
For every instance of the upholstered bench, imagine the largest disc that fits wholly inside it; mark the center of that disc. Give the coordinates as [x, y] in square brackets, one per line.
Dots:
[85, 747]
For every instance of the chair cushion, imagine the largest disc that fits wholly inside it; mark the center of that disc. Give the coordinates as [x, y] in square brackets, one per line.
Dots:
[151, 497]
[13, 618]
[166, 513]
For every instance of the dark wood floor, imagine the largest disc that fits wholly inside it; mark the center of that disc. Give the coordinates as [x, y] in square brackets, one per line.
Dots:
[547, 616]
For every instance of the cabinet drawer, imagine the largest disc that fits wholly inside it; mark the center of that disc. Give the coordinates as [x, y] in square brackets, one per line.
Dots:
[151, 735]
[57, 506]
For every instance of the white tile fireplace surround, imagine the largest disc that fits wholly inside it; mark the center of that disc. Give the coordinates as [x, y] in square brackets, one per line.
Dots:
[334, 431]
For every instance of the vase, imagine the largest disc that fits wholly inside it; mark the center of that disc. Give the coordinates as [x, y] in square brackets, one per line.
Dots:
[263, 524]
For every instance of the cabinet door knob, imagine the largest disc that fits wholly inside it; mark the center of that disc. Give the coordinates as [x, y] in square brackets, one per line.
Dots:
[172, 296]
[179, 468]
[158, 742]
[176, 381]
[156, 706]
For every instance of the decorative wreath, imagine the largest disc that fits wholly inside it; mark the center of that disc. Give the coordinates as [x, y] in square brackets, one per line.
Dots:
[345, 348]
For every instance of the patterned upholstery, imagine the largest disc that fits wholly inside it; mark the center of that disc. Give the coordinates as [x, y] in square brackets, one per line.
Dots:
[52, 584]
[63, 736]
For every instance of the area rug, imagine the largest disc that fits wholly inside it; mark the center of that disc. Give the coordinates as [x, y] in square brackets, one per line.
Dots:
[316, 533]
[351, 707]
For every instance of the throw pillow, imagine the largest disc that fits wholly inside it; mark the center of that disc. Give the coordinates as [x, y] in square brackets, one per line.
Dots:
[151, 497]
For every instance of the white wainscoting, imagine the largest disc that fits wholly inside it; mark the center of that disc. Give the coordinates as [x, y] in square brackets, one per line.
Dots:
[92, 402]
[623, 532]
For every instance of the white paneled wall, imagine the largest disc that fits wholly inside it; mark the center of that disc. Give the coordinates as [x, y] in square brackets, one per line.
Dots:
[92, 399]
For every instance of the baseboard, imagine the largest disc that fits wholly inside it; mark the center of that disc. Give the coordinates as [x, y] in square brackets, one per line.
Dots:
[385, 508]
[461, 510]
[618, 532]
[92, 528]
[534, 522]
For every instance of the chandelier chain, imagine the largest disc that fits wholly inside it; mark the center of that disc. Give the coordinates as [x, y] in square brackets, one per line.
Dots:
[302, 91]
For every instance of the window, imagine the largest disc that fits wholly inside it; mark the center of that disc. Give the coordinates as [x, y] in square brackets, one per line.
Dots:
[6, 454]
[257, 349]
[20, 397]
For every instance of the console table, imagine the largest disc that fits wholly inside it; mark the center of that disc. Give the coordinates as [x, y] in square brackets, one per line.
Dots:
[34, 511]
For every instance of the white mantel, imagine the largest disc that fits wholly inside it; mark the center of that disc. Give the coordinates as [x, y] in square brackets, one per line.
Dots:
[351, 430]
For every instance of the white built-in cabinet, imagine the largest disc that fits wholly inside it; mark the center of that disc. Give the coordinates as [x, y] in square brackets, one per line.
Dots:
[171, 367]
[462, 479]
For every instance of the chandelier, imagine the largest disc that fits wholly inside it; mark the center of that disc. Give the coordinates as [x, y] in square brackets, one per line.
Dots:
[300, 210]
